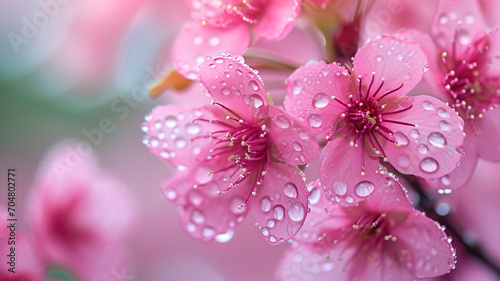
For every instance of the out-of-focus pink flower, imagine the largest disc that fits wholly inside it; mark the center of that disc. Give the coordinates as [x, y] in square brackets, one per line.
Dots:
[464, 71]
[366, 114]
[26, 263]
[225, 26]
[383, 238]
[242, 147]
[79, 215]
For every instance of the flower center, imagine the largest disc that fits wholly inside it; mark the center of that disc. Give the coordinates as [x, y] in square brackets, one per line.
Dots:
[244, 144]
[467, 81]
[248, 10]
[366, 117]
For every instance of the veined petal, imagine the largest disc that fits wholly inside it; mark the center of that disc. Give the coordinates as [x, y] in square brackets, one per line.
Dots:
[391, 62]
[488, 142]
[234, 84]
[342, 174]
[293, 141]
[278, 19]
[456, 24]
[205, 213]
[196, 41]
[463, 173]
[173, 136]
[433, 147]
[280, 206]
[429, 253]
[312, 90]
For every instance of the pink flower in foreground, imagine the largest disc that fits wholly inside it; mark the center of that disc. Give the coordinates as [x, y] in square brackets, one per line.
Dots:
[465, 72]
[383, 238]
[79, 215]
[366, 114]
[224, 26]
[226, 153]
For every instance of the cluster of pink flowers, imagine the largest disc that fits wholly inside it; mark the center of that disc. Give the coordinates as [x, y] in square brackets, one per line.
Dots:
[357, 129]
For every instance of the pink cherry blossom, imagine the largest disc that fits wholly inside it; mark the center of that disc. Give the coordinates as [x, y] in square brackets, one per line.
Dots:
[463, 63]
[225, 26]
[383, 238]
[239, 147]
[366, 114]
[79, 215]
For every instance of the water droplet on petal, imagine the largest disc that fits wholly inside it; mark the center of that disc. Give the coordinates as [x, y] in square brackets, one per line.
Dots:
[378, 58]
[154, 142]
[278, 211]
[290, 190]
[315, 120]
[320, 100]
[443, 125]
[296, 211]
[207, 232]
[437, 139]
[403, 160]
[214, 41]
[253, 85]
[349, 199]
[414, 133]
[429, 165]
[264, 231]
[225, 237]
[272, 239]
[422, 148]
[170, 121]
[265, 204]
[198, 40]
[314, 195]
[283, 122]
[271, 223]
[180, 143]
[296, 90]
[428, 105]
[197, 217]
[256, 100]
[401, 138]
[364, 188]
[400, 56]
[339, 187]
[443, 113]
[193, 129]
[297, 146]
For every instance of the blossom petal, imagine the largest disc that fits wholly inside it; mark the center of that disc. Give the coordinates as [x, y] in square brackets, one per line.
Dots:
[173, 136]
[310, 90]
[429, 253]
[341, 172]
[463, 173]
[489, 139]
[456, 23]
[280, 206]
[205, 213]
[196, 41]
[394, 61]
[294, 142]
[234, 84]
[278, 19]
[433, 147]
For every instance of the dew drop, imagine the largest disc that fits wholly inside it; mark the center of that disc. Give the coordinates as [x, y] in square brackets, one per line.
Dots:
[214, 41]
[315, 120]
[170, 121]
[208, 232]
[154, 142]
[264, 231]
[296, 90]
[290, 190]
[226, 91]
[272, 239]
[429, 165]
[422, 148]
[282, 122]
[443, 113]
[414, 133]
[339, 187]
[320, 100]
[171, 194]
[314, 195]
[428, 105]
[400, 56]
[225, 237]
[193, 129]
[443, 125]
[445, 180]
[256, 100]
[401, 138]
[190, 227]
[437, 139]
[265, 204]
[271, 223]
[180, 143]
[253, 85]
[197, 217]
[378, 58]
[278, 211]
[296, 211]
[364, 188]
[349, 199]
[198, 40]
[443, 19]
[297, 146]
